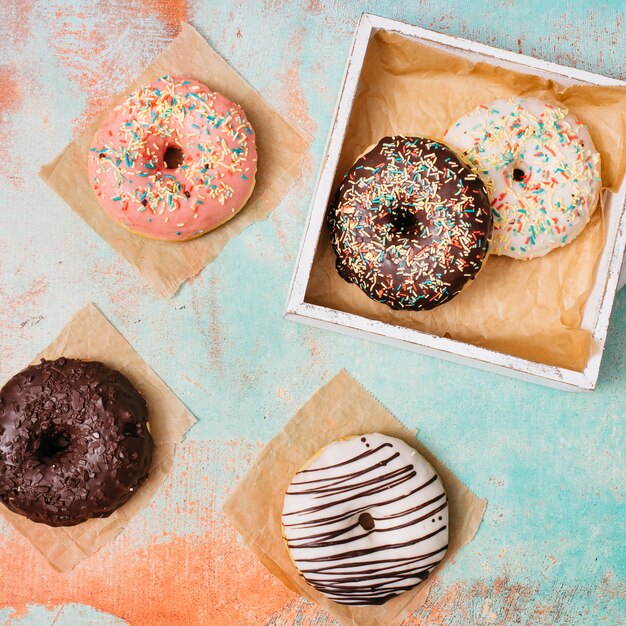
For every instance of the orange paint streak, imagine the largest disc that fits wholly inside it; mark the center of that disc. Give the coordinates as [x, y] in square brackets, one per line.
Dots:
[10, 94]
[504, 601]
[212, 333]
[10, 100]
[314, 6]
[81, 52]
[172, 13]
[209, 580]
[282, 237]
[296, 101]
[16, 16]
[104, 47]
[297, 110]
[149, 575]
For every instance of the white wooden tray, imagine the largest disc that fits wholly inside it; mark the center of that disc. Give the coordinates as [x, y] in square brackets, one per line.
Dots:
[598, 308]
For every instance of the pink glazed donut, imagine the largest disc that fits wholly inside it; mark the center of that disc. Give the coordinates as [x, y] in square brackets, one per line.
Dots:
[174, 161]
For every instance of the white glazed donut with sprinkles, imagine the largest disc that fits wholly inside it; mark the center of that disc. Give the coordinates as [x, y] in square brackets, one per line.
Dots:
[541, 170]
[366, 519]
[174, 160]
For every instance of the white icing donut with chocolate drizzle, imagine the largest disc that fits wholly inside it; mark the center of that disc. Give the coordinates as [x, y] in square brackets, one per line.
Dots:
[541, 170]
[366, 519]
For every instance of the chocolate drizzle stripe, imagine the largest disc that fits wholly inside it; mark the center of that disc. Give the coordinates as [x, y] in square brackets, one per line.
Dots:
[335, 534]
[397, 576]
[330, 489]
[419, 507]
[368, 575]
[389, 563]
[325, 520]
[335, 524]
[344, 477]
[356, 458]
[356, 553]
[329, 536]
[362, 494]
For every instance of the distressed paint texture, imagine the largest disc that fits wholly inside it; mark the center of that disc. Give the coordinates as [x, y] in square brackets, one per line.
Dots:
[551, 547]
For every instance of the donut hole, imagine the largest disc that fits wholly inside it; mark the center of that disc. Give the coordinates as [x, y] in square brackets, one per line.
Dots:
[366, 521]
[52, 444]
[131, 429]
[172, 157]
[518, 174]
[402, 220]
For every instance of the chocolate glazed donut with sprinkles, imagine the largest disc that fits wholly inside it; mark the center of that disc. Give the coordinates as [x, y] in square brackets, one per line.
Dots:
[410, 223]
[174, 160]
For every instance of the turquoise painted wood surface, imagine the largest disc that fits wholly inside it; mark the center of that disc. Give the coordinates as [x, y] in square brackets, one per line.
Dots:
[551, 549]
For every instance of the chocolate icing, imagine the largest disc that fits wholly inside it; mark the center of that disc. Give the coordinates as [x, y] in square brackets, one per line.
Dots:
[410, 223]
[74, 441]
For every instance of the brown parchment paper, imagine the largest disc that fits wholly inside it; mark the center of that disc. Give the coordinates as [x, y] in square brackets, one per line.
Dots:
[90, 336]
[339, 409]
[530, 309]
[281, 148]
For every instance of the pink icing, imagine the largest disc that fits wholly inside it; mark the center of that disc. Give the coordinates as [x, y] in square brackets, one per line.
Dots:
[210, 184]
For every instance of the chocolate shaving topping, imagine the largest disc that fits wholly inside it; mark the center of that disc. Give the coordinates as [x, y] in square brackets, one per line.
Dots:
[74, 441]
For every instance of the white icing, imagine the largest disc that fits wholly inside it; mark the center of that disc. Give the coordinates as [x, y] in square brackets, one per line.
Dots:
[406, 501]
[560, 190]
